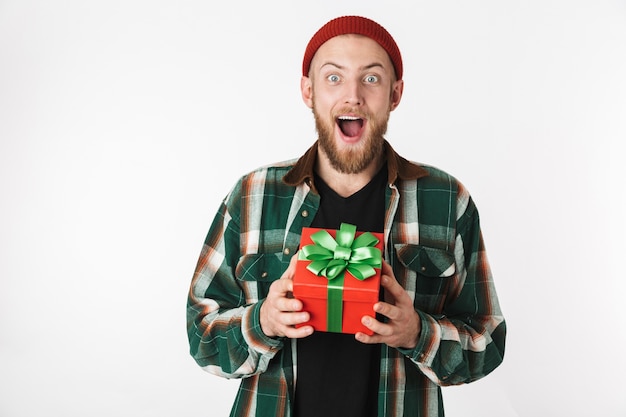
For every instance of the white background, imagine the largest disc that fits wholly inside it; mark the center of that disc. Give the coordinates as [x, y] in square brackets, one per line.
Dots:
[124, 123]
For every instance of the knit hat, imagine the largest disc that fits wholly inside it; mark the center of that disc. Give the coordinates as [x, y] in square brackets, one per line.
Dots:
[357, 25]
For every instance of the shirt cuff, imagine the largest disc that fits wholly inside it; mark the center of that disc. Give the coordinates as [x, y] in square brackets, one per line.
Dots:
[428, 342]
[253, 334]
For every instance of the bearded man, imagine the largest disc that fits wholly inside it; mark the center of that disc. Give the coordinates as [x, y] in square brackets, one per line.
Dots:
[438, 321]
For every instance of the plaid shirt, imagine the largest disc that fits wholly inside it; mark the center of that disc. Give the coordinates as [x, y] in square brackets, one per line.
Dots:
[433, 243]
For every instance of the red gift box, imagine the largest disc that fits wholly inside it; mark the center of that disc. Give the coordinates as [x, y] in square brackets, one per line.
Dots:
[358, 296]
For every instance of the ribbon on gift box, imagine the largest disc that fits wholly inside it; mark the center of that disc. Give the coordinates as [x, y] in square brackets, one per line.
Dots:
[331, 257]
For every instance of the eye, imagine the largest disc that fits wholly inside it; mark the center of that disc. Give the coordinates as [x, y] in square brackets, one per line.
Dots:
[333, 78]
[370, 79]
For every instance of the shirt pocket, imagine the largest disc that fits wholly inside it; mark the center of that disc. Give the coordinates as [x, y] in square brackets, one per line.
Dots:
[432, 270]
[256, 272]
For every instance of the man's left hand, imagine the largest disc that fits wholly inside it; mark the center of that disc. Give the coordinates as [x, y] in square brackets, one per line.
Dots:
[403, 327]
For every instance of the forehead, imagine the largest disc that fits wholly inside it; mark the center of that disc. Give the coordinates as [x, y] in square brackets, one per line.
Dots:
[351, 50]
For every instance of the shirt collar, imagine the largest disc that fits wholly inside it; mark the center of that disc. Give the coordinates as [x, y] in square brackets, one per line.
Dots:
[397, 166]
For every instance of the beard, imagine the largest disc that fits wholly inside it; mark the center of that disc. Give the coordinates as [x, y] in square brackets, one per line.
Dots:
[358, 157]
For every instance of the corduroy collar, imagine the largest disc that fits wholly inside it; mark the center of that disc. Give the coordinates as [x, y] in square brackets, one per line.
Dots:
[397, 166]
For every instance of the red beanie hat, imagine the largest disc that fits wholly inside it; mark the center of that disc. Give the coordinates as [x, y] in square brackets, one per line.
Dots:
[357, 25]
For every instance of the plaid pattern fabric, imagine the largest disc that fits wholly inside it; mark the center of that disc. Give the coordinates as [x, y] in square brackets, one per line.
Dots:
[432, 241]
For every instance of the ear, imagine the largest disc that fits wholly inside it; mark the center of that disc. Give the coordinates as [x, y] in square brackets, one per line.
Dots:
[396, 93]
[306, 88]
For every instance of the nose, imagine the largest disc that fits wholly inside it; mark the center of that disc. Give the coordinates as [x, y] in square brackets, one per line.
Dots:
[354, 93]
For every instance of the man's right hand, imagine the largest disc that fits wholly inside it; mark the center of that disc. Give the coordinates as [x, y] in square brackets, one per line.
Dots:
[280, 313]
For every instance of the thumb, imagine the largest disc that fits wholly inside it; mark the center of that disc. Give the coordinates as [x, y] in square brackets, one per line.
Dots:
[290, 272]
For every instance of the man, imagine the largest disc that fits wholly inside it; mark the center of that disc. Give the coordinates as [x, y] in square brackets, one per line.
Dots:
[438, 322]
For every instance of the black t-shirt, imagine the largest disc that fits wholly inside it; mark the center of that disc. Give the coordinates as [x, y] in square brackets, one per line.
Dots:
[337, 375]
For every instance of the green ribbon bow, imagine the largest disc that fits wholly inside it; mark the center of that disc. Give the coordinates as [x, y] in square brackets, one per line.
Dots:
[331, 257]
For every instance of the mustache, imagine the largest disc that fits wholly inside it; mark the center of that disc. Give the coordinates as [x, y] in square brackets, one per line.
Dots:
[352, 111]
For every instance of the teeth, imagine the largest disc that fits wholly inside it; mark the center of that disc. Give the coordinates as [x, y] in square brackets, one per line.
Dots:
[348, 118]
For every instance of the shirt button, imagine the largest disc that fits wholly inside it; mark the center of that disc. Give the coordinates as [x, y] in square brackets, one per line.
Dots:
[264, 275]
[305, 213]
[286, 251]
[423, 268]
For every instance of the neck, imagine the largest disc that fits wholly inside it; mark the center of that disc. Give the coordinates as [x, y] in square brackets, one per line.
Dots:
[345, 184]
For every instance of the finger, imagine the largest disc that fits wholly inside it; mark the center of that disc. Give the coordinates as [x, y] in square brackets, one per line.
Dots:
[278, 297]
[388, 310]
[292, 318]
[377, 327]
[370, 339]
[291, 269]
[287, 305]
[364, 338]
[386, 268]
[281, 287]
[393, 288]
[287, 322]
[278, 314]
[298, 333]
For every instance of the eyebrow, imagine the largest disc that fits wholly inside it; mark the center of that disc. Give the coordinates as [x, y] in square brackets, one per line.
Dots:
[341, 67]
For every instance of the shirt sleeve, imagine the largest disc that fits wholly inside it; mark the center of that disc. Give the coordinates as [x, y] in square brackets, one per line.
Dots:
[224, 332]
[467, 341]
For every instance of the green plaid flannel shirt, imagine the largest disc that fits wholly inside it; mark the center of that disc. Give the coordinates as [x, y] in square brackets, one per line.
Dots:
[434, 244]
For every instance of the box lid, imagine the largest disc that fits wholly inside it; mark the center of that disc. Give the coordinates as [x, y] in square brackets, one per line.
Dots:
[309, 285]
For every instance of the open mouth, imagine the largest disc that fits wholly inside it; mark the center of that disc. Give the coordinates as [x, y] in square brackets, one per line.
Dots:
[350, 126]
